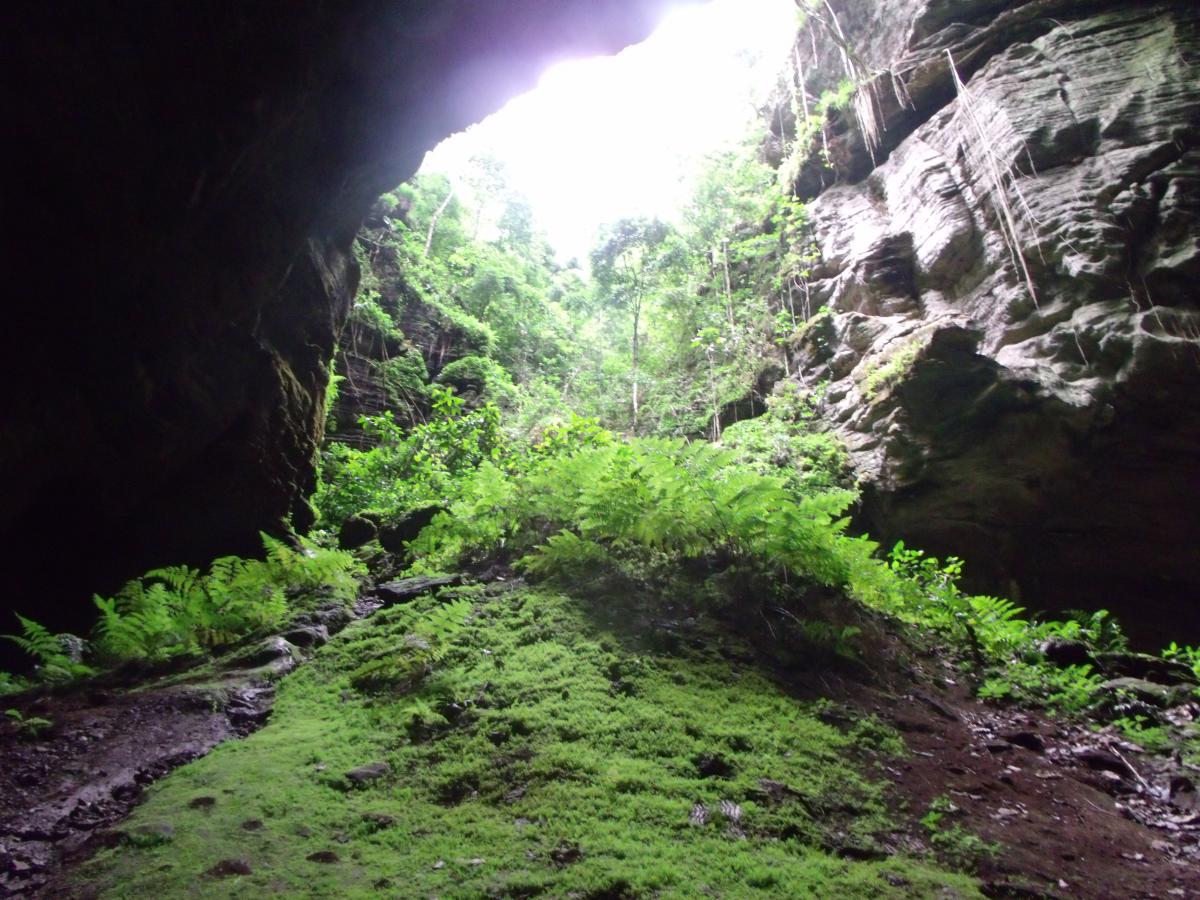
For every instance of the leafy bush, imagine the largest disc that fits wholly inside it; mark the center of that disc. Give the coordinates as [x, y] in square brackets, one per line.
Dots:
[10, 684]
[368, 314]
[406, 470]
[650, 496]
[1069, 690]
[1144, 732]
[570, 436]
[403, 379]
[813, 461]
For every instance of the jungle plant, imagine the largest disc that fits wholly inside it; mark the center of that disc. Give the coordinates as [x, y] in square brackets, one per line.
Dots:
[10, 684]
[788, 440]
[1070, 690]
[55, 665]
[649, 497]
[177, 610]
[28, 726]
[1144, 731]
[406, 470]
[957, 846]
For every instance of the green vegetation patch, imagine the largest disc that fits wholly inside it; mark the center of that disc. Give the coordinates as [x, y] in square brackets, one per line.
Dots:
[539, 752]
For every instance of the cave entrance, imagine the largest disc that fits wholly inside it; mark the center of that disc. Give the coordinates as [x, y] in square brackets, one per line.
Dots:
[564, 220]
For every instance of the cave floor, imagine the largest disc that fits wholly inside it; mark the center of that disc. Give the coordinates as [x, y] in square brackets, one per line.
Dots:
[600, 748]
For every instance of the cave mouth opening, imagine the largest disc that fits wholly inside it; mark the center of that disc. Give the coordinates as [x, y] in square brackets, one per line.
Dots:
[610, 137]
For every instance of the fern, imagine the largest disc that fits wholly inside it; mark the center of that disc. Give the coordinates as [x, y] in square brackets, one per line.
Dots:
[38, 641]
[178, 610]
[565, 555]
[312, 567]
[54, 664]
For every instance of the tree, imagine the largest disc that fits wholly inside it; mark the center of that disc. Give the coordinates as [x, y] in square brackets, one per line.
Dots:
[625, 264]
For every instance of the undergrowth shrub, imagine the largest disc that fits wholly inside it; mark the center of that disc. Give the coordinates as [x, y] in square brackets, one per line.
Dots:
[177, 610]
[10, 684]
[596, 504]
[406, 469]
[789, 440]
[56, 663]
[481, 374]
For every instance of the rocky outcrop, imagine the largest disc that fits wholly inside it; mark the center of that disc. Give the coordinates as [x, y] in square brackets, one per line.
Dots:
[1013, 349]
[186, 183]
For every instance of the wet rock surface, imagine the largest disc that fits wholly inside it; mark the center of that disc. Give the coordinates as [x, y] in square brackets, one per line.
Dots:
[1045, 435]
[365, 774]
[394, 535]
[61, 792]
[392, 592]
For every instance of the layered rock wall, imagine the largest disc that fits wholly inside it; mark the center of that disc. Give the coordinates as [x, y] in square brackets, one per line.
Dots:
[1013, 350]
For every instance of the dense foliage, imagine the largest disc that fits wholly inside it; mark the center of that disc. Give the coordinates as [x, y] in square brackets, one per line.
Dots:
[671, 324]
[179, 611]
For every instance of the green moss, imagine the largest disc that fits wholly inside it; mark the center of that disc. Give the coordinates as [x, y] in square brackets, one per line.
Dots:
[890, 370]
[480, 374]
[404, 379]
[547, 753]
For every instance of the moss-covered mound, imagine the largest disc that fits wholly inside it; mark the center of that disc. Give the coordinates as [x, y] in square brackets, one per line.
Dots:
[527, 744]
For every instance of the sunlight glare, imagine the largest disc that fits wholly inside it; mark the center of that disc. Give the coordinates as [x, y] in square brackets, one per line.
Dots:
[604, 138]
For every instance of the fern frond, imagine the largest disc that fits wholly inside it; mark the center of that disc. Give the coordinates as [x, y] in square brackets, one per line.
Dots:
[37, 640]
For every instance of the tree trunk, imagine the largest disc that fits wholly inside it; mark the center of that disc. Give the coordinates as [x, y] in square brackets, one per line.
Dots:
[433, 222]
[637, 319]
[728, 285]
[712, 390]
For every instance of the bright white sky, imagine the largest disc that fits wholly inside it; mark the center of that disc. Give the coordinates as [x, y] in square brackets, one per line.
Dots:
[604, 138]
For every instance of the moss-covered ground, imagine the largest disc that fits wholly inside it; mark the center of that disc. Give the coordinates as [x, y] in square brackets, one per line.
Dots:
[549, 751]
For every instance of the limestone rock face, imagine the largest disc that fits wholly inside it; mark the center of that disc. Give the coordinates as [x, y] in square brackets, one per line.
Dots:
[185, 182]
[1013, 351]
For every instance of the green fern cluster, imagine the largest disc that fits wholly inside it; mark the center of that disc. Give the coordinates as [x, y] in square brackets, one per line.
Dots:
[54, 664]
[570, 514]
[332, 573]
[653, 505]
[177, 610]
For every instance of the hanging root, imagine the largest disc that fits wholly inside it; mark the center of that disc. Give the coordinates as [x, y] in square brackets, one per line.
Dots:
[996, 176]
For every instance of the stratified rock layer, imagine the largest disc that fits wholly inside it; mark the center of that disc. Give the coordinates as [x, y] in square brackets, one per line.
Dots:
[185, 182]
[1044, 428]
